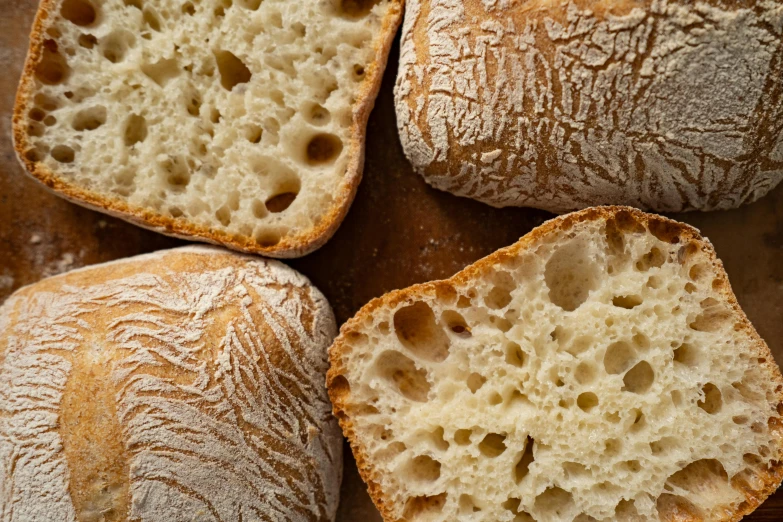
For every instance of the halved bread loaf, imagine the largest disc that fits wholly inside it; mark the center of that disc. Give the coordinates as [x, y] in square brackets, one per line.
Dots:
[183, 385]
[599, 369]
[234, 122]
[669, 105]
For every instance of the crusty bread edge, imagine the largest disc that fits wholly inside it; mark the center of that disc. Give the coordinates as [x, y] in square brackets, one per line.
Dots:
[290, 246]
[666, 229]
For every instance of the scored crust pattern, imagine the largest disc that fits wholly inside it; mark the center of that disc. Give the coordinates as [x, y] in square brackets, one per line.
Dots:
[667, 105]
[216, 380]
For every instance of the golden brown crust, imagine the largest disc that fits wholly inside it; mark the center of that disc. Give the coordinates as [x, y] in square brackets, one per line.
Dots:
[626, 217]
[289, 246]
[178, 308]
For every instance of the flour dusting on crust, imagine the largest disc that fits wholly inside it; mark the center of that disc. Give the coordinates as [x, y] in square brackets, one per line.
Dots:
[667, 105]
[217, 374]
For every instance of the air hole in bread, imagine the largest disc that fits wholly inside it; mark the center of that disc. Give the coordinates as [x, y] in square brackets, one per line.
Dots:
[267, 238]
[36, 114]
[618, 358]
[640, 378]
[193, 103]
[628, 302]
[358, 72]
[259, 209]
[115, 45]
[512, 505]
[188, 8]
[401, 372]
[492, 445]
[585, 373]
[655, 258]
[323, 149]
[79, 12]
[162, 72]
[475, 382]
[281, 202]
[254, 134]
[53, 68]
[252, 5]
[89, 119]
[35, 130]
[46, 102]
[438, 440]
[456, 323]
[135, 130]
[664, 446]
[462, 437]
[641, 341]
[151, 18]
[223, 214]
[514, 354]
[63, 154]
[714, 315]
[175, 212]
[133, 3]
[500, 294]
[570, 275]
[233, 71]
[525, 459]
[356, 9]
[675, 507]
[422, 469]
[33, 155]
[50, 121]
[713, 399]
[418, 331]
[698, 272]
[467, 505]
[587, 401]
[687, 354]
[554, 504]
[417, 508]
[87, 41]
[317, 114]
[176, 173]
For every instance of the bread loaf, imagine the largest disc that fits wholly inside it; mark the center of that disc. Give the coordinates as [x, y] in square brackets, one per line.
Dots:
[670, 105]
[183, 385]
[233, 122]
[598, 370]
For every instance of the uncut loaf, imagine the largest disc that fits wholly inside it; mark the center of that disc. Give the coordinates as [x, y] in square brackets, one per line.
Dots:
[670, 105]
[182, 385]
[233, 122]
[598, 370]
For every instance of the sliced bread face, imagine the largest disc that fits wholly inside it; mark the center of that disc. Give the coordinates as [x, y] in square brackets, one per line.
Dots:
[599, 369]
[234, 122]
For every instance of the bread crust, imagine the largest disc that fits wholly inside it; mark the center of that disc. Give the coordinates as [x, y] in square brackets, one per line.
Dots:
[105, 436]
[666, 230]
[290, 246]
[564, 105]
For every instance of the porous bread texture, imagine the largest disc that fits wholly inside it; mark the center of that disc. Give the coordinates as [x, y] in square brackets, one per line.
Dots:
[233, 122]
[600, 369]
[671, 105]
[182, 385]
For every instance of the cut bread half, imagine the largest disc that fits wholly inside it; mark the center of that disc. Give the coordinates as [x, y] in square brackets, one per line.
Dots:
[233, 122]
[599, 369]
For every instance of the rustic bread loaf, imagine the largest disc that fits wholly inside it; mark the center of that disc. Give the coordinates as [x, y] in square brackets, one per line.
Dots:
[183, 385]
[669, 105]
[600, 369]
[240, 123]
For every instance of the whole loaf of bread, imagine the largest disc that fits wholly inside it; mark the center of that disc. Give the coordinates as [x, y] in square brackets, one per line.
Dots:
[183, 385]
[670, 105]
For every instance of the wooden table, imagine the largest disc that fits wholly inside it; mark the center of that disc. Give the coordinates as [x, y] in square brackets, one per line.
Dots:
[399, 232]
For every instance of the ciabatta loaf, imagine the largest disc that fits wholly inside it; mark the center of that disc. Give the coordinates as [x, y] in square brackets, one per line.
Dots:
[598, 370]
[669, 105]
[234, 122]
[183, 385]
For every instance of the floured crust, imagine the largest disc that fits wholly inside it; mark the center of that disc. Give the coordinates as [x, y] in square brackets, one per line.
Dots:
[289, 246]
[664, 105]
[159, 387]
[664, 229]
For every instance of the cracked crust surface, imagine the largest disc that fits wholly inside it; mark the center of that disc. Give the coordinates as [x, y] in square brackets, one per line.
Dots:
[410, 445]
[669, 105]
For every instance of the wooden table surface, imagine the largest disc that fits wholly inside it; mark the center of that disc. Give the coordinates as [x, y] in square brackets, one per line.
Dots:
[399, 232]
